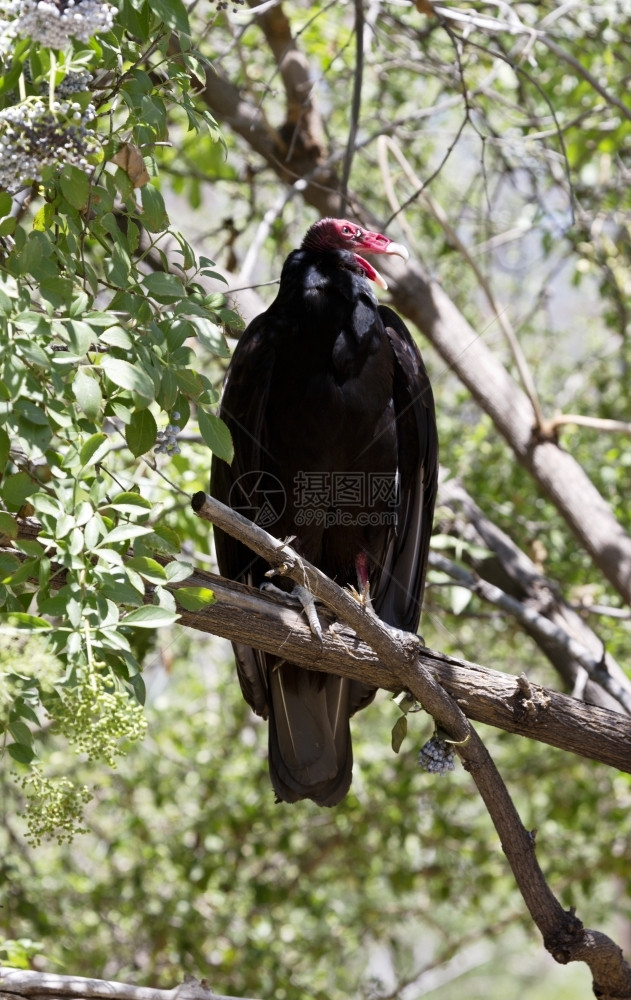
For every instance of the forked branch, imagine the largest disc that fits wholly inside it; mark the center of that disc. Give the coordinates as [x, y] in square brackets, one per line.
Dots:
[563, 933]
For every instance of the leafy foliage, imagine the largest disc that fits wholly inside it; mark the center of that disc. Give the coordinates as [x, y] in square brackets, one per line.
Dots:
[100, 302]
[293, 903]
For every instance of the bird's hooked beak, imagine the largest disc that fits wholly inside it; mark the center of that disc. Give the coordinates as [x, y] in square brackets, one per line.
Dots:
[371, 242]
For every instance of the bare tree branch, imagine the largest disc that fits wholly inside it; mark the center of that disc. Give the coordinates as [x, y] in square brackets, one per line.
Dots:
[497, 699]
[535, 623]
[514, 26]
[18, 983]
[596, 423]
[564, 935]
[514, 704]
[510, 568]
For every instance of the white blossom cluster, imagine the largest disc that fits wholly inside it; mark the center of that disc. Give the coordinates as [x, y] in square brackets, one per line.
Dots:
[166, 440]
[436, 756]
[33, 136]
[54, 22]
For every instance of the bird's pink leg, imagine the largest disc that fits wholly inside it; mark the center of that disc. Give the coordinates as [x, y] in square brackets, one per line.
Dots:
[363, 580]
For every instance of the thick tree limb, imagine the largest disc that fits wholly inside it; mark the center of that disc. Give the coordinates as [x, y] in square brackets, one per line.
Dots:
[18, 983]
[564, 935]
[513, 704]
[556, 471]
[510, 568]
[535, 623]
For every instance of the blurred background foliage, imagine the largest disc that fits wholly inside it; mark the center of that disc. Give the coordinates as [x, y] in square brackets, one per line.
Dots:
[515, 114]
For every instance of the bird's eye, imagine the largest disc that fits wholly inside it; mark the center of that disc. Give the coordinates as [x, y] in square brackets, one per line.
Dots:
[347, 231]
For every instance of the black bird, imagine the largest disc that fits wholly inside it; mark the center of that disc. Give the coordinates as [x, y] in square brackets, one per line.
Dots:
[332, 418]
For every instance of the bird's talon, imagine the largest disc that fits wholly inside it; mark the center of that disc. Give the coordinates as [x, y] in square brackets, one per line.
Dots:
[308, 603]
[271, 588]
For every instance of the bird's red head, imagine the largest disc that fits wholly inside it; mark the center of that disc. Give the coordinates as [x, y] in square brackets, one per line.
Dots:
[340, 234]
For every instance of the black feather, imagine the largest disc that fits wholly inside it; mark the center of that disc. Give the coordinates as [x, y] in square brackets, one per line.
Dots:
[327, 387]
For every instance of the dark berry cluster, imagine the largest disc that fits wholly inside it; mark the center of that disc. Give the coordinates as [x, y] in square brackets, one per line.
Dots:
[224, 4]
[166, 440]
[436, 756]
[74, 83]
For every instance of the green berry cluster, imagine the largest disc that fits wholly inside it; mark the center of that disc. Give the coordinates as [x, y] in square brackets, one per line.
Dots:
[54, 807]
[97, 717]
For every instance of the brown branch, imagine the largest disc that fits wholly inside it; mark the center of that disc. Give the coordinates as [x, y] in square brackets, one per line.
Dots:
[513, 704]
[564, 935]
[18, 983]
[302, 131]
[510, 568]
[557, 473]
[537, 625]
[595, 423]
[516, 705]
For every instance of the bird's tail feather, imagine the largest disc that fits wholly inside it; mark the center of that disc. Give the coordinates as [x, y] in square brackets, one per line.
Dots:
[310, 753]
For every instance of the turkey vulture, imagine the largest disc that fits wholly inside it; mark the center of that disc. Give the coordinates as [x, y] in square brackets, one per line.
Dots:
[332, 418]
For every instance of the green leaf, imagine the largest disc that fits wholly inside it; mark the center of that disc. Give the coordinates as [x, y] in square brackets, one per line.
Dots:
[21, 732]
[80, 336]
[7, 226]
[31, 411]
[215, 434]
[149, 616]
[460, 598]
[140, 432]
[194, 598]
[94, 449]
[163, 287]
[211, 336]
[55, 289]
[23, 754]
[129, 376]
[399, 732]
[189, 383]
[45, 504]
[140, 690]
[176, 571]
[32, 351]
[5, 447]
[162, 539]
[173, 13]
[125, 532]
[75, 186]
[44, 218]
[21, 708]
[87, 392]
[34, 258]
[16, 489]
[9, 563]
[116, 336]
[150, 568]
[19, 619]
[8, 526]
[130, 502]
[154, 213]
[168, 390]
